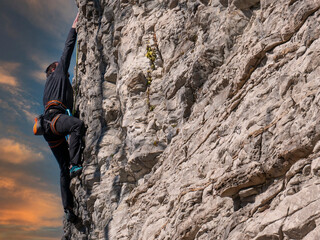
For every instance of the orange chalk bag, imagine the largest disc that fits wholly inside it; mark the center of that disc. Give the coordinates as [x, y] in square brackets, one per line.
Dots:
[38, 128]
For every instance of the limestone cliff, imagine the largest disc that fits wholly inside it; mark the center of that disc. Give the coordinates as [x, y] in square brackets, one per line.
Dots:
[203, 120]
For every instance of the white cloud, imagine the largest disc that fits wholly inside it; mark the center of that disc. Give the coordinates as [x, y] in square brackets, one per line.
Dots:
[17, 101]
[30, 115]
[19, 107]
[39, 76]
[42, 63]
[46, 15]
[23, 105]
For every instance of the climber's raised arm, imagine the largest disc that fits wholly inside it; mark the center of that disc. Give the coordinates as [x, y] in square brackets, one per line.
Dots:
[65, 59]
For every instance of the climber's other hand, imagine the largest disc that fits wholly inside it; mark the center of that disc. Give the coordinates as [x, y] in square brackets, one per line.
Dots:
[74, 25]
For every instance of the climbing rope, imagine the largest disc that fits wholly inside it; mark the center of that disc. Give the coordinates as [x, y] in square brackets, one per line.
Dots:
[76, 82]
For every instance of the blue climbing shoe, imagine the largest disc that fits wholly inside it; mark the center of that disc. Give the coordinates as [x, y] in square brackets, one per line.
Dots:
[75, 171]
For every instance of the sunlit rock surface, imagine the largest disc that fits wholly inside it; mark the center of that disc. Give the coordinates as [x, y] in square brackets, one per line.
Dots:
[203, 120]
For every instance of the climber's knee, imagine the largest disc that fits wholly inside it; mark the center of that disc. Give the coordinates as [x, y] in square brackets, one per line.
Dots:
[80, 128]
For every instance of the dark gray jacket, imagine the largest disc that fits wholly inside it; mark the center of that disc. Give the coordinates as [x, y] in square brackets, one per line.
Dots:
[58, 86]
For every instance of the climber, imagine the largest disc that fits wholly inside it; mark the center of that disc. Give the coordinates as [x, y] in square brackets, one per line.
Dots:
[57, 98]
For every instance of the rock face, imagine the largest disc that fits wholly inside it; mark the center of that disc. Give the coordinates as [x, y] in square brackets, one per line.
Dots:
[203, 120]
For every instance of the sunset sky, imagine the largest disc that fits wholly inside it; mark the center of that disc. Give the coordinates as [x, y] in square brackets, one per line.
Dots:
[33, 33]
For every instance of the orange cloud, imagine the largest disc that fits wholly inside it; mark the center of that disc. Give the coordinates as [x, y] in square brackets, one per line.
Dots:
[7, 70]
[17, 153]
[6, 183]
[29, 208]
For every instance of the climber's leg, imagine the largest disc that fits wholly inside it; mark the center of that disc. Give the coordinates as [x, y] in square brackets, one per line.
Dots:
[59, 148]
[75, 128]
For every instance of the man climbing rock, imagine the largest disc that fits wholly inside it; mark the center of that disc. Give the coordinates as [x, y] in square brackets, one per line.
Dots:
[57, 98]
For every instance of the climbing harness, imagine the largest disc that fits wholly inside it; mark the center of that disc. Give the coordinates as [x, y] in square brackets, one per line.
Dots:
[55, 103]
[54, 144]
[68, 112]
[39, 128]
[53, 125]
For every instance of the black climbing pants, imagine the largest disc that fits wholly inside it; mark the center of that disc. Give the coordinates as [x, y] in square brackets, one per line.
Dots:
[65, 153]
